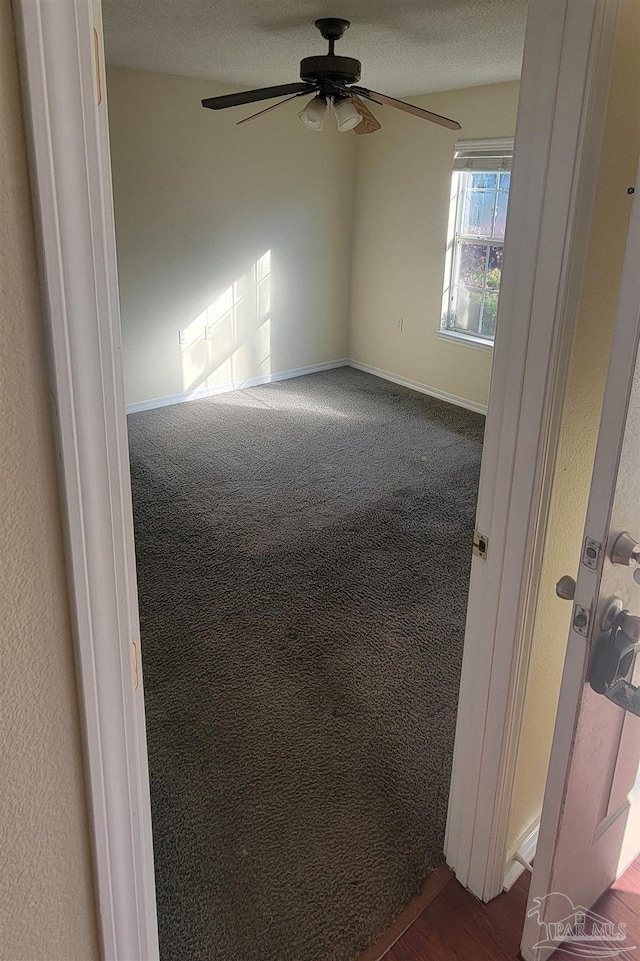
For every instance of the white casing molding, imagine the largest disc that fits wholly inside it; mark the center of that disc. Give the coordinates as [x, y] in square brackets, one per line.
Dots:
[62, 81]
[565, 81]
[465, 340]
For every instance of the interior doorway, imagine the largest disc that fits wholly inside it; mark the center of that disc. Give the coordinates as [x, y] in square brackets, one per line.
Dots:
[304, 540]
[130, 918]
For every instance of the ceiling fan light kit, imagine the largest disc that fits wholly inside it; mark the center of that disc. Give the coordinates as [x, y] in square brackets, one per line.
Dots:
[347, 117]
[331, 79]
[312, 116]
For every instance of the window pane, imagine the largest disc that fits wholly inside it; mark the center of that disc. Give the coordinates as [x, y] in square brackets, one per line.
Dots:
[468, 310]
[474, 269]
[489, 314]
[483, 180]
[494, 267]
[477, 213]
[473, 259]
[501, 214]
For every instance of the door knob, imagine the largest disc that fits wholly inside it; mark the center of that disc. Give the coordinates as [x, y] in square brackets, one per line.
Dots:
[629, 624]
[566, 587]
[625, 550]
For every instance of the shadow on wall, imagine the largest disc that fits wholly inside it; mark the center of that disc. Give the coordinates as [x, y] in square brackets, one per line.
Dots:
[230, 340]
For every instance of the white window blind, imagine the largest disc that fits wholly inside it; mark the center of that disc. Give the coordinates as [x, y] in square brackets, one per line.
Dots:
[483, 155]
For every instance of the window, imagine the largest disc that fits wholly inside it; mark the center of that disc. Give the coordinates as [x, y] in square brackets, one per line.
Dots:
[478, 214]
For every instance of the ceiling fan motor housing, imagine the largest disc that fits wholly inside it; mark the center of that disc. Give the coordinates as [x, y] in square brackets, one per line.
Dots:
[331, 69]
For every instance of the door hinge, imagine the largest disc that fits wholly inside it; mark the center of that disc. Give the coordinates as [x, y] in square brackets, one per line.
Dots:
[480, 544]
[134, 665]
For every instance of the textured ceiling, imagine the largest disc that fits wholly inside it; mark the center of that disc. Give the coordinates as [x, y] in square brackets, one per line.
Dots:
[406, 46]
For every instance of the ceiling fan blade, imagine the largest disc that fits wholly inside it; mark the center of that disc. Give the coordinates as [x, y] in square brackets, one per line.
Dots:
[368, 124]
[273, 106]
[251, 96]
[407, 107]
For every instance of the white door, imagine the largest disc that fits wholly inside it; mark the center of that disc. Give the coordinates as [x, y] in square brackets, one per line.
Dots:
[590, 829]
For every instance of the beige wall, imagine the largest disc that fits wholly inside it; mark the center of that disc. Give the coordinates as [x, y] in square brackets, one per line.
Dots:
[198, 202]
[46, 895]
[402, 209]
[581, 416]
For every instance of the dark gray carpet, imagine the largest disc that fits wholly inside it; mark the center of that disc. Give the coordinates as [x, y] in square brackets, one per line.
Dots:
[303, 561]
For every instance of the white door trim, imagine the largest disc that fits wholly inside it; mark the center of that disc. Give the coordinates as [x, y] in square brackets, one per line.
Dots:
[71, 189]
[72, 196]
[564, 86]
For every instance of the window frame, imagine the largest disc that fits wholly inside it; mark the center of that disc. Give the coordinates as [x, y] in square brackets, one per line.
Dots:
[482, 156]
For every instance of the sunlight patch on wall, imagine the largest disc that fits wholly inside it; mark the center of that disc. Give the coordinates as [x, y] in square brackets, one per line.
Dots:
[230, 340]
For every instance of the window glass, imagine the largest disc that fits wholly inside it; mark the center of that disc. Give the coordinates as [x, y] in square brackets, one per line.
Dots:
[501, 213]
[489, 315]
[483, 181]
[477, 216]
[494, 267]
[469, 310]
[475, 264]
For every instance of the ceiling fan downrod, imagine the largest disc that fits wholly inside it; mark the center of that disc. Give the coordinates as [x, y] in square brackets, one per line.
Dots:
[332, 29]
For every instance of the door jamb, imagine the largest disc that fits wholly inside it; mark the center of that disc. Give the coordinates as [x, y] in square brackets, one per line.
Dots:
[65, 112]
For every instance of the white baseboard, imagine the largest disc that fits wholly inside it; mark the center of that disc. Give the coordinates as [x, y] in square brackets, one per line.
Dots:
[421, 388]
[203, 392]
[525, 853]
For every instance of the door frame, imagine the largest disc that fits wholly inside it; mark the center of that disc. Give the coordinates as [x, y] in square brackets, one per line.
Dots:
[560, 117]
[62, 79]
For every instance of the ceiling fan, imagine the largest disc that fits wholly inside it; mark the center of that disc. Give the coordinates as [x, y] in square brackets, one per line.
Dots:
[332, 81]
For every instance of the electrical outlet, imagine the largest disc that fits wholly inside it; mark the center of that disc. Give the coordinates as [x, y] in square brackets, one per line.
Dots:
[208, 332]
[182, 337]
[399, 323]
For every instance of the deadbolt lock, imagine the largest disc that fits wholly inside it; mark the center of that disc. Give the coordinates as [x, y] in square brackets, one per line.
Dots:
[613, 658]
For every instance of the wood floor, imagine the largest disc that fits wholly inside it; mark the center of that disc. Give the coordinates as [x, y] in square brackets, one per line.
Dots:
[458, 927]
[455, 926]
[621, 904]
